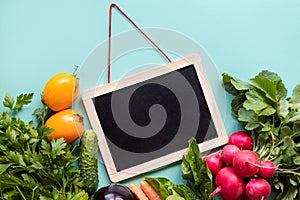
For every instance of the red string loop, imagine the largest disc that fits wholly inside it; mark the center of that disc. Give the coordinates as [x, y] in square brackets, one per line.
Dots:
[113, 5]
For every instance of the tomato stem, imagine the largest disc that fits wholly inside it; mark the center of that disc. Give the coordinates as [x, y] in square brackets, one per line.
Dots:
[76, 70]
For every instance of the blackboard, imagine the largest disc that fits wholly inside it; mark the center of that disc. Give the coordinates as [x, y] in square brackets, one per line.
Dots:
[145, 121]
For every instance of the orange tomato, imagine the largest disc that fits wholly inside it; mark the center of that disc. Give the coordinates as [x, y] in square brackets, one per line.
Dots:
[61, 91]
[67, 124]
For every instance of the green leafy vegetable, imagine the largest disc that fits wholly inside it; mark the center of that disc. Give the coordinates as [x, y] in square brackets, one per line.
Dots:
[170, 190]
[30, 166]
[161, 185]
[22, 99]
[196, 172]
[263, 109]
[43, 114]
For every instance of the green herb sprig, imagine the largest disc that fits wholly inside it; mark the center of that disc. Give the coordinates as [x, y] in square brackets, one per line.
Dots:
[31, 167]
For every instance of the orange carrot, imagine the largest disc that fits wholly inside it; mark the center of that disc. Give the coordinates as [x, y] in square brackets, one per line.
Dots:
[138, 191]
[150, 192]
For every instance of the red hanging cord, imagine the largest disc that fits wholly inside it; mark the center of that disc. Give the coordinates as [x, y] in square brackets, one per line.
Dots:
[134, 24]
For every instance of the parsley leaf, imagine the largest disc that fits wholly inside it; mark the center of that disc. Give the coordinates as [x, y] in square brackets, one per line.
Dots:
[22, 99]
[8, 101]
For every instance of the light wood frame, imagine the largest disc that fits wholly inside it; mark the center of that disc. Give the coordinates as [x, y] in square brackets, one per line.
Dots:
[116, 176]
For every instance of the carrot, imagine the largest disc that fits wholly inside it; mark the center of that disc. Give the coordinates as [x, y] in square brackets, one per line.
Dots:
[138, 191]
[149, 191]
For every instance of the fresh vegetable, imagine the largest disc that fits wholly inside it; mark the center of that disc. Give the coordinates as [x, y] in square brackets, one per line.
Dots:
[31, 167]
[196, 172]
[228, 153]
[150, 191]
[258, 189]
[165, 188]
[61, 91]
[184, 192]
[160, 185]
[67, 124]
[214, 163]
[114, 191]
[88, 160]
[174, 197]
[241, 139]
[273, 119]
[137, 191]
[245, 163]
[229, 184]
[267, 169]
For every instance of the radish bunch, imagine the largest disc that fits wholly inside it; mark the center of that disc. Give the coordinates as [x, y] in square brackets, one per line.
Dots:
[238, 171]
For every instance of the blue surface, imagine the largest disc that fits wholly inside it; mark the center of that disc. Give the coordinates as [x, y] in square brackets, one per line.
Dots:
[41, 38]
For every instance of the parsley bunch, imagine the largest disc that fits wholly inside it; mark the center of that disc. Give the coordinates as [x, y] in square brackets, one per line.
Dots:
[31, 167]
[263, 108]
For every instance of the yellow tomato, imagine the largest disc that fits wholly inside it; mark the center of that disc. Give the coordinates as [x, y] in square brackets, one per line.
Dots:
[67, 124]
[61, 91]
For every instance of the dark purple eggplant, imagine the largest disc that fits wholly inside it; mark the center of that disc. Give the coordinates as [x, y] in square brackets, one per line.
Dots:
[114, 191]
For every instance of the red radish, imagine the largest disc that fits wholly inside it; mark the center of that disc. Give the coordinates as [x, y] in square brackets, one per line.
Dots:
[258, 189]
[228, 153]
[245, 163]
[244, 196]
[229, 184]
[267, 169]
[241, 139]
[214, 163]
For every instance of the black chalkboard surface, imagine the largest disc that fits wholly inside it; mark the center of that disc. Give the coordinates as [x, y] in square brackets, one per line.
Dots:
[145, 121]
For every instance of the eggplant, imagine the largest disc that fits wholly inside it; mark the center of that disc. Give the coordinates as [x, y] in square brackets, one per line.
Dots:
[114, 191]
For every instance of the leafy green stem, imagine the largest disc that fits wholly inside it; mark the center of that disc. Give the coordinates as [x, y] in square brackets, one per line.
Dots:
[264, 151]
[282, 140]
[21, 193]
[33, 192]
[272, 144]
[290, 171]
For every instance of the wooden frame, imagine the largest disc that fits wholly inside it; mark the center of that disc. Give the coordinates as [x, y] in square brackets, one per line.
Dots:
[206, 146]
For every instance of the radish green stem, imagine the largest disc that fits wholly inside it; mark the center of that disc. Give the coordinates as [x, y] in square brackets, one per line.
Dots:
[290, 171]
[281, 141]
[273, 144]
[273, 141]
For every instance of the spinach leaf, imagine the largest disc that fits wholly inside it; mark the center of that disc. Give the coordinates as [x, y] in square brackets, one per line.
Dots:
[161, 185]
[170, 190]
[196, 172]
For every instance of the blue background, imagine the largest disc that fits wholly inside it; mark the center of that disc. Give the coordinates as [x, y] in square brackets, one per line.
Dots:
[41, 38]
